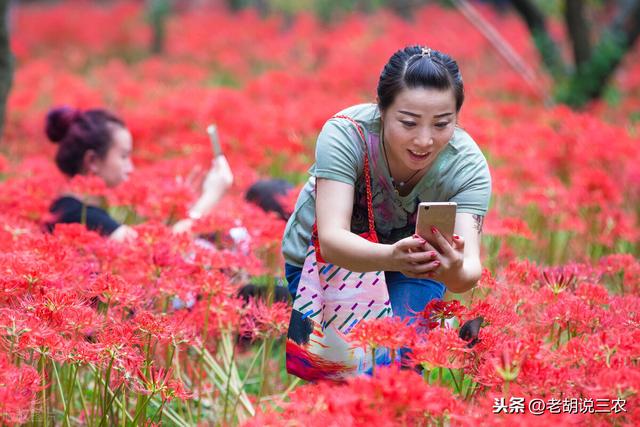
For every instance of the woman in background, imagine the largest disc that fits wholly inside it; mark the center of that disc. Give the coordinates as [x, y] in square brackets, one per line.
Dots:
[96, 142]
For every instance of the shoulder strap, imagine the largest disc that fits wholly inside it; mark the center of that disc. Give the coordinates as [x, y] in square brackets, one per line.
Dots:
[367, 173]
[367, 177]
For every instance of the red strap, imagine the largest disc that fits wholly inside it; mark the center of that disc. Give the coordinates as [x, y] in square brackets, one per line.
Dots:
[367, 177]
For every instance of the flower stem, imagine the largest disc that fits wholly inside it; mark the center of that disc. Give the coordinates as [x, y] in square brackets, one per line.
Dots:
[60, 389]
[458, 389]
[43, 369]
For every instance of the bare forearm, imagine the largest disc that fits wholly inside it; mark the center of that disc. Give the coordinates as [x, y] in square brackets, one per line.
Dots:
[350, 251]
[208, 200]
[464, 278]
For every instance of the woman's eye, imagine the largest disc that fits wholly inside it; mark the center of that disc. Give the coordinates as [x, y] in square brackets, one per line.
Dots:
[408, 124]
[442, 125]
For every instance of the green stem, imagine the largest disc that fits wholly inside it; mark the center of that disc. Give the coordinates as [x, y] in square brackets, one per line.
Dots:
[94, 396]
[60, 389]
[458, 390]
[247, 374]
[426, 374]
[263, 367]
[124, 406]
[187, 405]
[82, 401]
[141, 409]
[147, 365]
[115, 399]
[205, 331]
[158, 411]
[173, 416]
[106, 390]
[71, 388]
[109, 405]
[43, 367]
[226, 392]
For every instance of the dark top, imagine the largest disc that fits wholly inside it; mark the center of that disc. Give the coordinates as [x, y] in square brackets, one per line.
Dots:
[68, 210]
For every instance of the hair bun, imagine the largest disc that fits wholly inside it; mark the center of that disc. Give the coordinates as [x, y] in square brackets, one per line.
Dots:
[58, 122]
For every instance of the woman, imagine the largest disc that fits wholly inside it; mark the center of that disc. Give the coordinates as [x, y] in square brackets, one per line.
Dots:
[417, 154]
[96, 142]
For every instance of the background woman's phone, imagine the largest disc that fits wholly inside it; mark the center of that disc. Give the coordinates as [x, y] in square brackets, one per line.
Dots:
[212, 130]
[441, 215]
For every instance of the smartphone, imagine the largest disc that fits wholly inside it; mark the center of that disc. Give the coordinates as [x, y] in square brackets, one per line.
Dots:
[441, 215]
[212, 130]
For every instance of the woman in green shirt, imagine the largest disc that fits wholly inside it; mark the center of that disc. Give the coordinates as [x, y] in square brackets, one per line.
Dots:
[417, 154]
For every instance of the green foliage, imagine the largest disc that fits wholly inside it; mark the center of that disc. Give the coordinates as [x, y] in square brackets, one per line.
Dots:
[157, 13]
[586, 82]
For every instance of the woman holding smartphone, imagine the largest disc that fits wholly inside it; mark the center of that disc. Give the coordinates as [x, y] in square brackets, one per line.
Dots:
[97, 142]
[417, 153]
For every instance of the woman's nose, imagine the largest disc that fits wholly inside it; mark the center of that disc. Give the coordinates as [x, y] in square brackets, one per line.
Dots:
[424, 138]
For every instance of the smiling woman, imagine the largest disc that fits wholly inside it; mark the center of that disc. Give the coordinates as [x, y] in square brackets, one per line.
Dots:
[416, 153]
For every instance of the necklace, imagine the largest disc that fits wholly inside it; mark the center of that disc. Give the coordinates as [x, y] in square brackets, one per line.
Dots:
[400, 185]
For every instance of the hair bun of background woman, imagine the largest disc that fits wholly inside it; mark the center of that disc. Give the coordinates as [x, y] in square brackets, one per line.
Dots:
[59, 121]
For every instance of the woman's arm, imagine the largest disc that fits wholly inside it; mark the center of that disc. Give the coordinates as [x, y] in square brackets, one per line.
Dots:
[215, 185]
[338, 245]
[460, 267]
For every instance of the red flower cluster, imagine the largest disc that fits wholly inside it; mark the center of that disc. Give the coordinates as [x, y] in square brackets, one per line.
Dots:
[139, 325]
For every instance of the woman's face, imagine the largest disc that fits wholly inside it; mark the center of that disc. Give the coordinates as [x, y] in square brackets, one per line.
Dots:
[417, 126]
[116, 166]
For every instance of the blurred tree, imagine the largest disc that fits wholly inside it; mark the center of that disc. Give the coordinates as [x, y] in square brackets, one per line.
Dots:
[6, 60]
[157, 13]
[594, 59]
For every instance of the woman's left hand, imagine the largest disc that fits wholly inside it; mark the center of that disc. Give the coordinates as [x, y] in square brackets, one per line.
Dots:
[450, 255]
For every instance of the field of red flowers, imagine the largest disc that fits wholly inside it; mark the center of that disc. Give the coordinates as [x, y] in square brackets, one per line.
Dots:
[95, 332]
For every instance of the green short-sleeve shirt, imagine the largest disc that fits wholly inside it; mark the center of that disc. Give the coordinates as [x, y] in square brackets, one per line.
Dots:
[460, 174]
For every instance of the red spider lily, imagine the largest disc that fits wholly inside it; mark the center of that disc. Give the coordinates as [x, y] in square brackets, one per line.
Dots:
[507, 227]
[160, 381]
[263, 321]
[20, 386]
[568, 191]
[384, 400]
[392, 333]
[441, 347]
[437, 311]
[504, 365]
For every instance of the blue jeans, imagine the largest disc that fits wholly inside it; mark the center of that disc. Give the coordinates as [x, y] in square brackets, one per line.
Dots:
[408, 296]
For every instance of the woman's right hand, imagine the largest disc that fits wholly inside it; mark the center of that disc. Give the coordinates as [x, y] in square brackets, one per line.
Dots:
[219, 177]
[414, 257]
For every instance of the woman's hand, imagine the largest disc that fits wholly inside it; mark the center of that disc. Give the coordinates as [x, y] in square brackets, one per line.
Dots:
[411, 257]
[219, 176]
[215, 185]
[124, 233]
[450, 255]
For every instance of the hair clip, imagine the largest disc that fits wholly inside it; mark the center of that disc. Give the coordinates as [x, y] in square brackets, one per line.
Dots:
[426, 51]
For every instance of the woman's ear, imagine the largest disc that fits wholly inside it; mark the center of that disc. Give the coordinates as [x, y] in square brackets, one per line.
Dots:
[90, 162]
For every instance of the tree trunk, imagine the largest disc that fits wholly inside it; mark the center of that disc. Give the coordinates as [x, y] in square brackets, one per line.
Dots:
[547, 46]
[578, 28]
[6, 61]
[593, 67]
[591, 78]
[157, 13]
